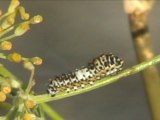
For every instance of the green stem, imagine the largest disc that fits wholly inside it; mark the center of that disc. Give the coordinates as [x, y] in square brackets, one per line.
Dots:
[5, 106]
[53, 114]
[10, 113]
[8, 38]
[30, 84]
[3, 32]
[4, 15]
[6, 31]
[2, 56]
[99, 83]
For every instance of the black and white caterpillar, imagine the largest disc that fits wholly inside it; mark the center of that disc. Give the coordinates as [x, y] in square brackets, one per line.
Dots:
[102, 66]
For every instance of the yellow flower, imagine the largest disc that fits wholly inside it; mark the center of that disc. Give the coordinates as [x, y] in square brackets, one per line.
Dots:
[30, 104]
[6, 89]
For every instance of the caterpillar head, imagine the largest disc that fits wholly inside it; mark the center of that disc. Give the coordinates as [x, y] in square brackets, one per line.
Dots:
[118, 62]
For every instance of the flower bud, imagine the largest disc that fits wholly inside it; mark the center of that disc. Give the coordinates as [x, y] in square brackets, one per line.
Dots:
[14, 4]
[36, 60]
[30, 104]
[15, 57]
[22, 28]
[24, 15]
[28, 65]
[6, 89]
[10, 20]
[6, 45]
[36, 19]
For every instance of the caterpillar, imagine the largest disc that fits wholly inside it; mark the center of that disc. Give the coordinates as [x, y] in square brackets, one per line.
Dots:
[102, 66]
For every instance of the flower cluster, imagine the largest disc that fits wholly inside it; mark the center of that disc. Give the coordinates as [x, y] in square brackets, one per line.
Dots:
[9, 29]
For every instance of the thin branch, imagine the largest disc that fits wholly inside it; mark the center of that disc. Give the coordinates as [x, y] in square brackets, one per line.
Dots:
[100, 83]
[31, 82]
[8, 38]
[3, 32]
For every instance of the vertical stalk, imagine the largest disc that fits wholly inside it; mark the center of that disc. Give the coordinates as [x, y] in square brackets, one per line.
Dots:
[137, 11]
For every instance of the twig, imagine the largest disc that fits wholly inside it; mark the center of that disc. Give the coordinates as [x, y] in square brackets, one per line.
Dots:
[31, 82]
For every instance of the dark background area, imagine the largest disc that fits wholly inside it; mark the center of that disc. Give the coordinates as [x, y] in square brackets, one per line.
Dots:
[74, 32]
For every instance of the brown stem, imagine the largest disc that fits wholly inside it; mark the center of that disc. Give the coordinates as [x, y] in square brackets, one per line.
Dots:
[143, 46]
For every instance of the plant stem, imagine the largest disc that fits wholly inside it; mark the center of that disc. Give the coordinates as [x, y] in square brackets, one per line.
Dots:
[2, 33]
[143, 45]
[8, 38]
[2, 56]
[4, 15]
[9, 29]
[100, 83]
[11, 112]
[30, 84]
[53, 114]
[5, 106]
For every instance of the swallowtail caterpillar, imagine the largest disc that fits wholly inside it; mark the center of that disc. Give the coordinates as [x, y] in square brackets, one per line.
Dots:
[102, 66]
